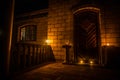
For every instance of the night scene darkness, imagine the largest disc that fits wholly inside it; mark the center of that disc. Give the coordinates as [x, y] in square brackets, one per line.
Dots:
[22, 6]
[59, 40]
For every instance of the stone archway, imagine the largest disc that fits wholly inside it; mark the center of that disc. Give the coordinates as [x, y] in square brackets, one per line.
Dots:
[86, 35]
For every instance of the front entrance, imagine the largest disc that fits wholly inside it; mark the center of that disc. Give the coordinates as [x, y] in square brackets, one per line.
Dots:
[86, 36]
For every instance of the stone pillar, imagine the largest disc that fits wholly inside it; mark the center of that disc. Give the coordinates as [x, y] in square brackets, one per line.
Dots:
[6, 36]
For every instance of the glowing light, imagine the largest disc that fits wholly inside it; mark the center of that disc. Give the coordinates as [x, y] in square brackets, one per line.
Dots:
[81, 61]
[108, 44]
[91, 62]
[67, 42]
[48, 41]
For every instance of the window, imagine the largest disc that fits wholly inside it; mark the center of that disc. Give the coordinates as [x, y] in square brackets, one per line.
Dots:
[28, 33]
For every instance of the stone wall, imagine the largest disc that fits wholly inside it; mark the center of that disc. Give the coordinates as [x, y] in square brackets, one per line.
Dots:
[110, 34]
[57, 24]
[60, 26]
[111, 24]
[60, 23]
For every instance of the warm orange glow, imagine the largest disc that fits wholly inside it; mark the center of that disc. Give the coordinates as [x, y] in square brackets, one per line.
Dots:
[108, 44]
[91, 62]
[109, 39]
[67, 42]
[81, 62]
[48, 41]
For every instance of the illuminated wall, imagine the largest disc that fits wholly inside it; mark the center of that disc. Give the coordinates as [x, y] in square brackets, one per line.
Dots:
[111, 27]
[60, 23]
[60, 26]
[57, 25]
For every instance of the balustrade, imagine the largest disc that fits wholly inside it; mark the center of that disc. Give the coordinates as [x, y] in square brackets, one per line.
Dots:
[26, 55]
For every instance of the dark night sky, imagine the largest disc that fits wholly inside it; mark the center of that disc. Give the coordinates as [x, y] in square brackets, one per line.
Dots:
[22, 6]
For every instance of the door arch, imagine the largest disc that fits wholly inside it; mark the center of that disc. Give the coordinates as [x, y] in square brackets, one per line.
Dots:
[87, 34]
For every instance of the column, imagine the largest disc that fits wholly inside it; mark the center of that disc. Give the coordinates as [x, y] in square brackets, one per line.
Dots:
[6, 27]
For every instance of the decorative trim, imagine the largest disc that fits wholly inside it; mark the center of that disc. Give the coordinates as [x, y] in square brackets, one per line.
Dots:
[86, 8]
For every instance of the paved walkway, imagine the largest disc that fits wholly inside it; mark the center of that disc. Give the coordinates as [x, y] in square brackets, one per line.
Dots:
[59, 71]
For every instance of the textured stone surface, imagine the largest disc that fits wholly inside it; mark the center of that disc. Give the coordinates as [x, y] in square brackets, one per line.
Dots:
[58, 24]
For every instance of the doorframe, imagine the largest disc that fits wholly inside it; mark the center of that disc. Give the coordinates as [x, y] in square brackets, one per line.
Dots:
[97, 10]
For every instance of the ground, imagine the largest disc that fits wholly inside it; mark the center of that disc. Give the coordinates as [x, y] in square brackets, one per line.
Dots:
[59, 71]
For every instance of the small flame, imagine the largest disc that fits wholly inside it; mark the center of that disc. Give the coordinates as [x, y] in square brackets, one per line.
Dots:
[81, 61]
[108, 44]
[91, 62]
[48, 41]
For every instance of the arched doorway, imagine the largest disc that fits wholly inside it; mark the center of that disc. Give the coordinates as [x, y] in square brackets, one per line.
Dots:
[86, 35]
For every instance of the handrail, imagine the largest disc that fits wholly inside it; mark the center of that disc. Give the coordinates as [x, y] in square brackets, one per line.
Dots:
[26, 55]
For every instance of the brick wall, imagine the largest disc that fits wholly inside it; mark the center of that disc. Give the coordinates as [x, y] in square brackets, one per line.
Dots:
[60, 24]
[111, 24]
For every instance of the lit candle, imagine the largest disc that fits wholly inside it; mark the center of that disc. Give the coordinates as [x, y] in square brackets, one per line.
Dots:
[108, 44]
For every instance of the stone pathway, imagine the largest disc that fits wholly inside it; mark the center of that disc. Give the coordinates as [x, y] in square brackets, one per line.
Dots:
[59, 71]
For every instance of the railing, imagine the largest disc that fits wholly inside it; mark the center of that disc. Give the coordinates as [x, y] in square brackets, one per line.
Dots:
[28, 55]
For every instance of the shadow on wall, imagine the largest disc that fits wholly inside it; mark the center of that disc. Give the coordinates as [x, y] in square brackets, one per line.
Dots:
[27, 55]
